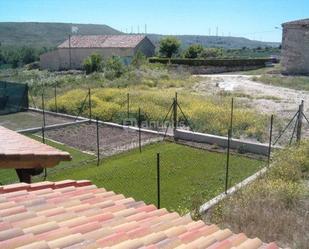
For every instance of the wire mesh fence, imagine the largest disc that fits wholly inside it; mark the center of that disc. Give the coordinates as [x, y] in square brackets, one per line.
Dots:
[184, 175]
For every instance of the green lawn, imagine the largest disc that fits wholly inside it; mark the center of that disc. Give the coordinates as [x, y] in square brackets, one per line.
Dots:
[187, 174]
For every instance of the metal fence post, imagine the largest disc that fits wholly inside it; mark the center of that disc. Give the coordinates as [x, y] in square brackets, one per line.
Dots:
[299, 121]
[175, 112]
[128, 105]
[43, 108]
[232, 113]
[227, 160]
[98, 142]
[270, 137]
[43, 139]
[89, 103]
[43, 134]
[158, 180]
[139, 130]
[55, 93]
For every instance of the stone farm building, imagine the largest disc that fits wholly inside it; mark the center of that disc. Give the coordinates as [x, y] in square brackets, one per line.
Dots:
[71, 53]
[295, 47]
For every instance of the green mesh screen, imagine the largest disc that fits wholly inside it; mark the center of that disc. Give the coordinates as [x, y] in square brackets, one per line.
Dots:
[13, 97]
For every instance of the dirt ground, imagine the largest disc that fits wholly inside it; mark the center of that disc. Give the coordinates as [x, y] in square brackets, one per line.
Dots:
[112, 140]
[29, 119]
[267, 99]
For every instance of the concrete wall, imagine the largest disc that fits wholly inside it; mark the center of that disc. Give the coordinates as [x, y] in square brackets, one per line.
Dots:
[59, 59]
[295, 49]
[256, 148]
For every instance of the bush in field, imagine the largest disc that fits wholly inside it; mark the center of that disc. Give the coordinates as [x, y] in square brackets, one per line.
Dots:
[211, 53]
[113, 68]
[169, 46]
[93, 63]
[139, 59]
[194, 51]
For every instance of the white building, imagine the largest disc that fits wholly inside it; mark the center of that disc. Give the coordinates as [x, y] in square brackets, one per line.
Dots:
[71, 53]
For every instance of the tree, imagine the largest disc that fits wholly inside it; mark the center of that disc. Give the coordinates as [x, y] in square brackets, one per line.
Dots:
[194, 51]
[139, 59]
[113, 68]
[169, 46]
[212, 53]
[27, 55]
[93, 63]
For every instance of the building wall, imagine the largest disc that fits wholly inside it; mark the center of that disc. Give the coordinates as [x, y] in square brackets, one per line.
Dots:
[146, 47]
[295, 49]
[60, 59]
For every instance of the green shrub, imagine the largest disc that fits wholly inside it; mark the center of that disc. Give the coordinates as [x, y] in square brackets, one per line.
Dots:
[194, 51]
[113, 68]
[93, 63]
[211, 53]
[139, 59]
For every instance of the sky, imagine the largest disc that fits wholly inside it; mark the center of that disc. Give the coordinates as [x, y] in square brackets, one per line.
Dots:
[254, 19]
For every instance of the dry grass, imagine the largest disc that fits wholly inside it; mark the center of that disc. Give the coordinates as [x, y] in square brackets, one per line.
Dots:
[275, 207]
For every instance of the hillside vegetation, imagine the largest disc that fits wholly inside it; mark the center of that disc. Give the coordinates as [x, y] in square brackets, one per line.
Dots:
[38, 34]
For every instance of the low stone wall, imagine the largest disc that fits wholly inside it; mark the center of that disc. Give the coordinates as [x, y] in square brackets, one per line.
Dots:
[246, 146]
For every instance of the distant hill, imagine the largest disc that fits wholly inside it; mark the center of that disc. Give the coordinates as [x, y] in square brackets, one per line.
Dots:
[228, 42]
[39, 34]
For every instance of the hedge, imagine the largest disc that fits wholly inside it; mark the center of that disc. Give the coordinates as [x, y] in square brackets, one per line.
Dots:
[212, 62]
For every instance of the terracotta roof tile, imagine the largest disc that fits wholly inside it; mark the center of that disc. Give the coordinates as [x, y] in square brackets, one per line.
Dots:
[77, 214]
[103, 41]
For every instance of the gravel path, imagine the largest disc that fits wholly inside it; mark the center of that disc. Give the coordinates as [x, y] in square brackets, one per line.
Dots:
[268, 99]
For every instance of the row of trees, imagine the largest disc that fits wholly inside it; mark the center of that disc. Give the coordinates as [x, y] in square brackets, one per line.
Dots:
[170, 46]
[18, 56]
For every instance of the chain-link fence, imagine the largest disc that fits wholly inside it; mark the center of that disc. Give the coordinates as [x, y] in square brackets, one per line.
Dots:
[181, 175]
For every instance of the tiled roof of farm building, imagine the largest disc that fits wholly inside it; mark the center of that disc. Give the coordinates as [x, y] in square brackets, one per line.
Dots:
[297, 22]
[103, 41]
[77, 214]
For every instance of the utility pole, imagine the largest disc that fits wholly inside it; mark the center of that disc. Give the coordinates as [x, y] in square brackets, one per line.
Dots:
[145, 28]
[70, 56]
[217, 31]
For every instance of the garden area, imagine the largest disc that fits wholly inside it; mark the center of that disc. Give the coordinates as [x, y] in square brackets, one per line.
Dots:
[187, 175]
[151, 88]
